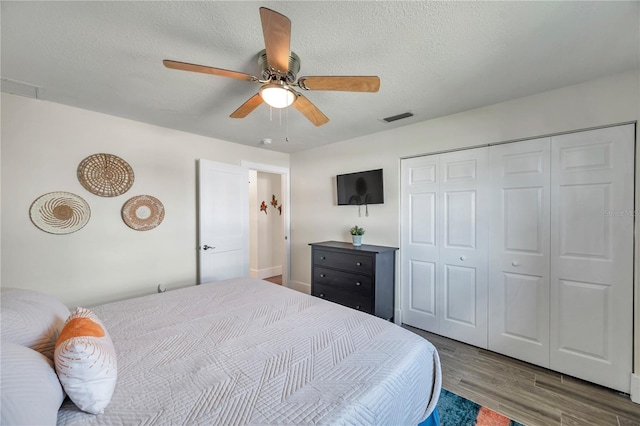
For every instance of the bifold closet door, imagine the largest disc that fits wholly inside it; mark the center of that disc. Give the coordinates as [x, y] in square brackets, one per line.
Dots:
[592, 255]
[444, 244]
[519, 250]
[463, 252]
[420, 251]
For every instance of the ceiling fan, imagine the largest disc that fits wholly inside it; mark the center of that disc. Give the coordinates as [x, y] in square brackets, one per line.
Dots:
[279, 68]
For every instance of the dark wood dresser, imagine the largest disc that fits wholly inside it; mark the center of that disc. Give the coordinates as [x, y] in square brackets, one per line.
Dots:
[361, 277]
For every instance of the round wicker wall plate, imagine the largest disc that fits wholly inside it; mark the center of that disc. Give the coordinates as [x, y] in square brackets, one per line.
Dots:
[60, 212]
[143, 212]
[105, 175]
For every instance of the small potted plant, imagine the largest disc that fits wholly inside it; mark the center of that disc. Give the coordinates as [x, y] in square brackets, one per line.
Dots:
[356, 235]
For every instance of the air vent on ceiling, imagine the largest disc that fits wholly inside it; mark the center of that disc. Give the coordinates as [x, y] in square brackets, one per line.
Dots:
[20, 88]
[398, 117]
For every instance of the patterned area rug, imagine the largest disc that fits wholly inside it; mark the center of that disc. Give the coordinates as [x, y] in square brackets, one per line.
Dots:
[455, 410]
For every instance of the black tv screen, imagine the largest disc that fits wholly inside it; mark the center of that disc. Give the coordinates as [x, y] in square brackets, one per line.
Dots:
[360, 188]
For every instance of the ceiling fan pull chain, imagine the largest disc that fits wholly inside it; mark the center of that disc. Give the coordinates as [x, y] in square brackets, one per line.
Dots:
[286, 134]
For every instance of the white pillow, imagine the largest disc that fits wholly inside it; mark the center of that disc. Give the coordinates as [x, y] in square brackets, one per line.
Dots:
[31, 392]
[31, 319]
[85, 361]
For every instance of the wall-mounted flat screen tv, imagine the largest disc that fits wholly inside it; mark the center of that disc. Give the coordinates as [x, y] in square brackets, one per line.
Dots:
[361, 188]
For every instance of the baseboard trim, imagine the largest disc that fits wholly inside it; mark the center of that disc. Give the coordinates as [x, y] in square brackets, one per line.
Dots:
[635, 388]
[266, 272]
[300, 286]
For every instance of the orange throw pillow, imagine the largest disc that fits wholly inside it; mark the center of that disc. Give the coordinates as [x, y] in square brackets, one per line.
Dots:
[85, 361]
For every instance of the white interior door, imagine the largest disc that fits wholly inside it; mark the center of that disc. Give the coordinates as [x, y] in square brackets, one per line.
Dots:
[463, 252]
[592, 255]
[444, 244]
[420, 243]
[519, 250]
[223, 221]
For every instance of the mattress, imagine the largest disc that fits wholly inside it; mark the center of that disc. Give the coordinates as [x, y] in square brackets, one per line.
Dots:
[245, 351]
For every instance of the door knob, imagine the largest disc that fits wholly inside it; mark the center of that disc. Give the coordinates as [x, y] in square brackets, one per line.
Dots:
[206, 247]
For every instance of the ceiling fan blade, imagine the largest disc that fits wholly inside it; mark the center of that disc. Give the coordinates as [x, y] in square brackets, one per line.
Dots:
[207, 70]
[310, 111]
[344, 83]
[276, 29]
[247, 107]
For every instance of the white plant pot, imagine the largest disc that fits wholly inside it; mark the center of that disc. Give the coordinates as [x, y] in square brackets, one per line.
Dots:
[357, 240]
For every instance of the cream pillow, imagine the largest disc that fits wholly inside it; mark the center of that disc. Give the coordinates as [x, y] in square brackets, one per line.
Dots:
[85, 361]
[31, 319]
[31, 392]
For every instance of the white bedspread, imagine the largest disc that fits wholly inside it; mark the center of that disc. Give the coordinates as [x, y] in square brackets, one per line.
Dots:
[246, 351]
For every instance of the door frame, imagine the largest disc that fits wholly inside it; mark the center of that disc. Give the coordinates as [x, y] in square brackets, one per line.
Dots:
[286, 211]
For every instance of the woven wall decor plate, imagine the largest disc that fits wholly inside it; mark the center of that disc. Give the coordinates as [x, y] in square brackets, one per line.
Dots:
[105, 175]
[143, 212]
[60, 212]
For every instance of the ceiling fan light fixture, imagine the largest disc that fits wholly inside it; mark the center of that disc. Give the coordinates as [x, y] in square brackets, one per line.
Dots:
[277, 95]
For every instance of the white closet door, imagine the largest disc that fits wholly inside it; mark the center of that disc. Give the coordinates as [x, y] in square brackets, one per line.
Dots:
[592, 255]
[519, 250]
[463, 231]
[420, 244]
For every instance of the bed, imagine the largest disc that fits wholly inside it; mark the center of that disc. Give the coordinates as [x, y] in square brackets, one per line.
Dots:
[246, 351]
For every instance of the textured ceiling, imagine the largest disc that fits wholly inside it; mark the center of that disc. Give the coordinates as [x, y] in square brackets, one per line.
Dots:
[433, 59]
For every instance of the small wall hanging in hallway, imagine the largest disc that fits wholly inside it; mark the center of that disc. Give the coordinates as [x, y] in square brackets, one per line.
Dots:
[263, 207]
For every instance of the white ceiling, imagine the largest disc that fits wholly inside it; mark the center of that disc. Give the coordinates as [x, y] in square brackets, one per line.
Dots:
[433, 58]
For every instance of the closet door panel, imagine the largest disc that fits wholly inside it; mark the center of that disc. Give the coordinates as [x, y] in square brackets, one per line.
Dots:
[463, 252]
[420, 243]
[592, 255]
[519, 250]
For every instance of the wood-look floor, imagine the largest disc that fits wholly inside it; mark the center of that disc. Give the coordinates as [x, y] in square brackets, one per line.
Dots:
[276, 280]
[526, 393]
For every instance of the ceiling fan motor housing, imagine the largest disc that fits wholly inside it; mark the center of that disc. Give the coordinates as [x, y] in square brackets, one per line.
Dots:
[267, 73]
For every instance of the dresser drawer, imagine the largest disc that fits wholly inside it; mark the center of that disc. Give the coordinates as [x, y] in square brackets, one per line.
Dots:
[356, 301]
[345, 280]
[361, 264]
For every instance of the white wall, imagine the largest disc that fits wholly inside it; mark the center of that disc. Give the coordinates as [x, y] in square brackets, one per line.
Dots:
[42, 145]
[316, 217]
[267, 230]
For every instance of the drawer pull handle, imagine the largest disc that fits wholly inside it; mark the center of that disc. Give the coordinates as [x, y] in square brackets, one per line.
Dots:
[358, 307]
[358, 264]
[321, 294]
[358, 283]
[322, 258]
[463, 258]
[322, 275]
[515, 263]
